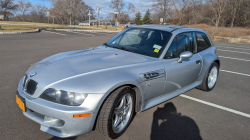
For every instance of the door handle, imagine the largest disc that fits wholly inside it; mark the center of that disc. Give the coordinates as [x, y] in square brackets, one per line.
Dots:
[198, 62]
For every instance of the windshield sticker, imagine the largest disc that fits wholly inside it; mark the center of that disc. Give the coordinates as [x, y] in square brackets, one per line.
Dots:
[156, 50]
[158, 47]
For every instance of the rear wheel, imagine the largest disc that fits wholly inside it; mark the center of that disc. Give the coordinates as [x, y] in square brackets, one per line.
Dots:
[210, 79]
[116, 113]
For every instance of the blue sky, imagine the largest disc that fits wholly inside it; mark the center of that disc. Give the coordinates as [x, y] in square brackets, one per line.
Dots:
[141, 5]
[43, 2]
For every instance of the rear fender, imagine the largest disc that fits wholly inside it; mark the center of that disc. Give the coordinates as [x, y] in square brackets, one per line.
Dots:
[208, 57]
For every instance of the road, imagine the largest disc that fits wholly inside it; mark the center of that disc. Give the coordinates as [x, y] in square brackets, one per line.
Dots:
[221, 114]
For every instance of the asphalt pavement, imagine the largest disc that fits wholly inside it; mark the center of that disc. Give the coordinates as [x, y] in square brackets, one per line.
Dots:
[222, 114]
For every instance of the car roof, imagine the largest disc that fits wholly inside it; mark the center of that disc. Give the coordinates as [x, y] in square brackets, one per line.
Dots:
[169, 28]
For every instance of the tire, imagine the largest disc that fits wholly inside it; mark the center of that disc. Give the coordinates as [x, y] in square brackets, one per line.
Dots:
[114, 108]
[205, 86]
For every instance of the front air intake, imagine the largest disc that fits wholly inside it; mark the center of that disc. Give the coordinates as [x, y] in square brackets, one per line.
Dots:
[31, 87]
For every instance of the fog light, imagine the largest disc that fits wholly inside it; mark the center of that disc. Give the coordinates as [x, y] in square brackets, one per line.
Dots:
[82, 115]
[49, 119]
[53, 121]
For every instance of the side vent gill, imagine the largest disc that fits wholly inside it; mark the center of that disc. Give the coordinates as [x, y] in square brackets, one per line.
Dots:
[152, 75]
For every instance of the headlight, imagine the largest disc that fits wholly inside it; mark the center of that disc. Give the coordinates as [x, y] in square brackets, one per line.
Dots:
[64, 97]
[24, 80]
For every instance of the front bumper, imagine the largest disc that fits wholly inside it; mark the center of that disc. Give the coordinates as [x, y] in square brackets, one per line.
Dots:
[57, 119]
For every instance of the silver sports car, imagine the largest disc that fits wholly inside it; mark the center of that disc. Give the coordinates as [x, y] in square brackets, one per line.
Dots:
[101, 88]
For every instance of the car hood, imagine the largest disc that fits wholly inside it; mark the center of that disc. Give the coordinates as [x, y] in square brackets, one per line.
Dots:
[68, 64]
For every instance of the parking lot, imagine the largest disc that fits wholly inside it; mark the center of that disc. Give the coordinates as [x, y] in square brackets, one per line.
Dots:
[223, 113]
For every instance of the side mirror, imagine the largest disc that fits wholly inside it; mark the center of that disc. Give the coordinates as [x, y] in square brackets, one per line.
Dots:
[185, 55]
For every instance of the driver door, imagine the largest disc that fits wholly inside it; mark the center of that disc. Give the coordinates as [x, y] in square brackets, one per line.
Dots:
[179, 75]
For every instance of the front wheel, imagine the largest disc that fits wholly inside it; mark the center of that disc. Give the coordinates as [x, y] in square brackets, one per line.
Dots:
[210, 80]
[116, 113]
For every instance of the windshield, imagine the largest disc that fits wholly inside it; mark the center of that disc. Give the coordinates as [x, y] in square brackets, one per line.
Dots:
[142, 41]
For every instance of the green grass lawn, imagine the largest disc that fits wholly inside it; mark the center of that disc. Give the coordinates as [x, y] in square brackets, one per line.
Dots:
[11, 26]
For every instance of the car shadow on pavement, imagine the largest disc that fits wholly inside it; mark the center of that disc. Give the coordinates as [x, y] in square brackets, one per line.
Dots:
[173, 126]
[57, 138]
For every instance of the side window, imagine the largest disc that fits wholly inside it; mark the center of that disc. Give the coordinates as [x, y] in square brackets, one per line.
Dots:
[185, 42]
[171, 53]
[202, 42]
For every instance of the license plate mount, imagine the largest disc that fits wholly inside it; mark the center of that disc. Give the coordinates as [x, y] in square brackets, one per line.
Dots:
[21, 102]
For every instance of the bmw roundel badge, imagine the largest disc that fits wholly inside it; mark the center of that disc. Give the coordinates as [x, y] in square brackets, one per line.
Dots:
[33, 74]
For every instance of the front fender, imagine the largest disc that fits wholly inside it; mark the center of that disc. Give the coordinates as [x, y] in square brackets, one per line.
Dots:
[103, 82]
[99, 83]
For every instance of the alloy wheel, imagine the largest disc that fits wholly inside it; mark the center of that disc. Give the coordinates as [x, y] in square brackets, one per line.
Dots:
[212, 77]
[122, 113]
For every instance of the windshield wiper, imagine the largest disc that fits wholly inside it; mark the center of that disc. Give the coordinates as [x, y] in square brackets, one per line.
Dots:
[107, 45]
[125, 49]
[121, 48]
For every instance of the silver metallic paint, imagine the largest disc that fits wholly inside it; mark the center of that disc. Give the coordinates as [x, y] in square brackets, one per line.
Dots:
[184, 55]
[99, 71]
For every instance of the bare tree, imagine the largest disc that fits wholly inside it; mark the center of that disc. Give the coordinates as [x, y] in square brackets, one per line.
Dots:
[38, 13]
[83, 12]
[70, 10]
[131, 8]
[24, 7]
[6, 6]
[110, 18]
[179, 11]
[117, 5]
[124, 9]
[213, 12]
[124, 17]
[217, 7]
[234, 6]
[59, 10]
[244, 13]
[163, 7]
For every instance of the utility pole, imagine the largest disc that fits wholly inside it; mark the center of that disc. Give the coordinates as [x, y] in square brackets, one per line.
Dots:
[98, 9]
[116, 24]
[70, 12]
[70, 19]
[48, 14]
[53, 19]
[89, 17]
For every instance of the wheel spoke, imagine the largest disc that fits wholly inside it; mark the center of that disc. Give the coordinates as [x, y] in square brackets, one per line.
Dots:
[124, 117]
[124, 101]
[120, 106]
[117, 122]
[214, 80]
[209, 80]
[127, 108]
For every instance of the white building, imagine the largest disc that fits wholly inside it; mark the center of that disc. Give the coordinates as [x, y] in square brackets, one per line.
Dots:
[1, 17]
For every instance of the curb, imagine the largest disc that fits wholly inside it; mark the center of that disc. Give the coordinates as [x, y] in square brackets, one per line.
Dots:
[80, 30]
[239, 40]
[38, 30]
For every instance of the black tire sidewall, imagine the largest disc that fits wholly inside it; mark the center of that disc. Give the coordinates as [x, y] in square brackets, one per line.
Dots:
[216, 65]
[120, 95]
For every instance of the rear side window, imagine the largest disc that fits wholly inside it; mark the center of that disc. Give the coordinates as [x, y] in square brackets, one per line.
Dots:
[202, 42]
